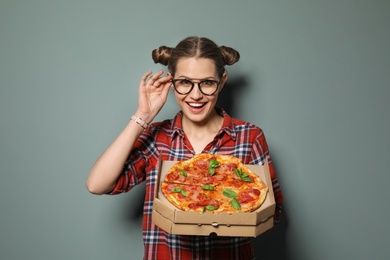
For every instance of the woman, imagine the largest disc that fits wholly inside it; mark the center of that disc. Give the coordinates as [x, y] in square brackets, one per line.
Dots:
[197, 74]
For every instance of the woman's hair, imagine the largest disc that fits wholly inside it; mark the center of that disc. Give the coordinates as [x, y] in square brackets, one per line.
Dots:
[196, 47]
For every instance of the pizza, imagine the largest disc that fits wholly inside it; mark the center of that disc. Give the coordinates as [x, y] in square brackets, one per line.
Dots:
[213, 183]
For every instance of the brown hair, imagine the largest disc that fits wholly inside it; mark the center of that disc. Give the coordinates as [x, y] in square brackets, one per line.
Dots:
[198, 47]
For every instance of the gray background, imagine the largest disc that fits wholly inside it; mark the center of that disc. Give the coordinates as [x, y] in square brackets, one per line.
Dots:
[313, 74]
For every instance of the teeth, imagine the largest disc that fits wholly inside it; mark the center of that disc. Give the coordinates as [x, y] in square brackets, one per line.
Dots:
[195, 104]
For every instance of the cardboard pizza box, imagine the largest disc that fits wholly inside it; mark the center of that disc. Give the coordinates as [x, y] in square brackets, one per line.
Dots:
[245, 224]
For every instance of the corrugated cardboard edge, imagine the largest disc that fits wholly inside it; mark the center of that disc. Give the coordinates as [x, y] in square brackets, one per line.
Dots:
[206, 230]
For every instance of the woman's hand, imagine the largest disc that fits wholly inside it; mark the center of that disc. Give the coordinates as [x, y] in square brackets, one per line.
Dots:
[152, 94]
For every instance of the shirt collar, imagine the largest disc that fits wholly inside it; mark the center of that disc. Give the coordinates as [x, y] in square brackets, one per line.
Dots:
[177, 127]
[227, 125]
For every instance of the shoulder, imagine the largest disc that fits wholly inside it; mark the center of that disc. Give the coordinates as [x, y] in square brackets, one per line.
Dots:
[158, 128]
[239, 129]
[157, 133]
[241, 125]
[161, 125]
[235, 122]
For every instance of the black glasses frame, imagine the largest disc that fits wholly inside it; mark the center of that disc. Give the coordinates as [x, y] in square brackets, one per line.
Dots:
[193, 84]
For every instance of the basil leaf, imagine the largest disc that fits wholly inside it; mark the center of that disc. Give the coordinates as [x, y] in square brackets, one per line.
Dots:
[211, 171]
[177, 189]
[247, 179]
[229, 193]
[207, 187]
[244, 177]
[238, 172]
[235, 204]
[211, 208]
[213, 163]
[181, 172]
[185, 194]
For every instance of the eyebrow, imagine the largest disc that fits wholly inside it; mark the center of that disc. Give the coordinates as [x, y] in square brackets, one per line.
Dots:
[207, 78]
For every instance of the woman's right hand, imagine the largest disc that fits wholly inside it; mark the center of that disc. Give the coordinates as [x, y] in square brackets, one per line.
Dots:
[152, 94]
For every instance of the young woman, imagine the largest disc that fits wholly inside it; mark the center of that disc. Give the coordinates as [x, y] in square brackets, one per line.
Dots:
[196, 74]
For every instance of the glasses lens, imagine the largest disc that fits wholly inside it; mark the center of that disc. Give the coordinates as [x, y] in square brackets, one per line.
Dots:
[183, 86]
[208, 87]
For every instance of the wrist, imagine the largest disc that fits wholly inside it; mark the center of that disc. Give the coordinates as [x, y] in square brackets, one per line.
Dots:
[147, 117]
[139, 121]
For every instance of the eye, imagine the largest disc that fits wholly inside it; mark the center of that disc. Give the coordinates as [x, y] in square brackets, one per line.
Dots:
[184, 82]
[209, 82]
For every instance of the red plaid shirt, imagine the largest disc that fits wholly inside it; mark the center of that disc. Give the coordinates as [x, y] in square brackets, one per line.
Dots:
[236, 137]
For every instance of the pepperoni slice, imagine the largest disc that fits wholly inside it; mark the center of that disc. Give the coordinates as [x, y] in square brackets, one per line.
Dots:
[192, 180]
[215, 203]
[207, 180]
[235, 183]
[202, 164]
[173, 176]
[197, 205]
[194, 206]
[169, 188]
[228, 167]
[181, 178]
[244, 197]
[255, 192]
[219, 176]
[192, 188]
[180, 196]
[203, 199]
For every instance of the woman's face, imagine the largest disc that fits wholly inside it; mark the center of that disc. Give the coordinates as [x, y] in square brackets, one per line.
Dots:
[196, 106]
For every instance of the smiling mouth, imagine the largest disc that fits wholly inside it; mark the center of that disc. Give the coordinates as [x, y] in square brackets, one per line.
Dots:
[196, 105]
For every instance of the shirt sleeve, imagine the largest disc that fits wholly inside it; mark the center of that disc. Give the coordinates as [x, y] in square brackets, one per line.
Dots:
[134, 170]
[260, 153]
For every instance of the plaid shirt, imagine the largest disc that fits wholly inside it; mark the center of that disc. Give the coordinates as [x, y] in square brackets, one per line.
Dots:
[236, 137]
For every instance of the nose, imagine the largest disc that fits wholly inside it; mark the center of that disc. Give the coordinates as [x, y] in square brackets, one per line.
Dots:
[195, 92]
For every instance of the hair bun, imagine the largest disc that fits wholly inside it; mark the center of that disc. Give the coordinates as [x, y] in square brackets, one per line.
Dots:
[162, 55]
[229, 55]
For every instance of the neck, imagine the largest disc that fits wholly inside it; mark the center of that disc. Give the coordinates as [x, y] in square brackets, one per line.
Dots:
[211, 126]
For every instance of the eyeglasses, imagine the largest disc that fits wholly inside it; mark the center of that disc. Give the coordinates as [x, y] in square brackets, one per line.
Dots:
[184, 86]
